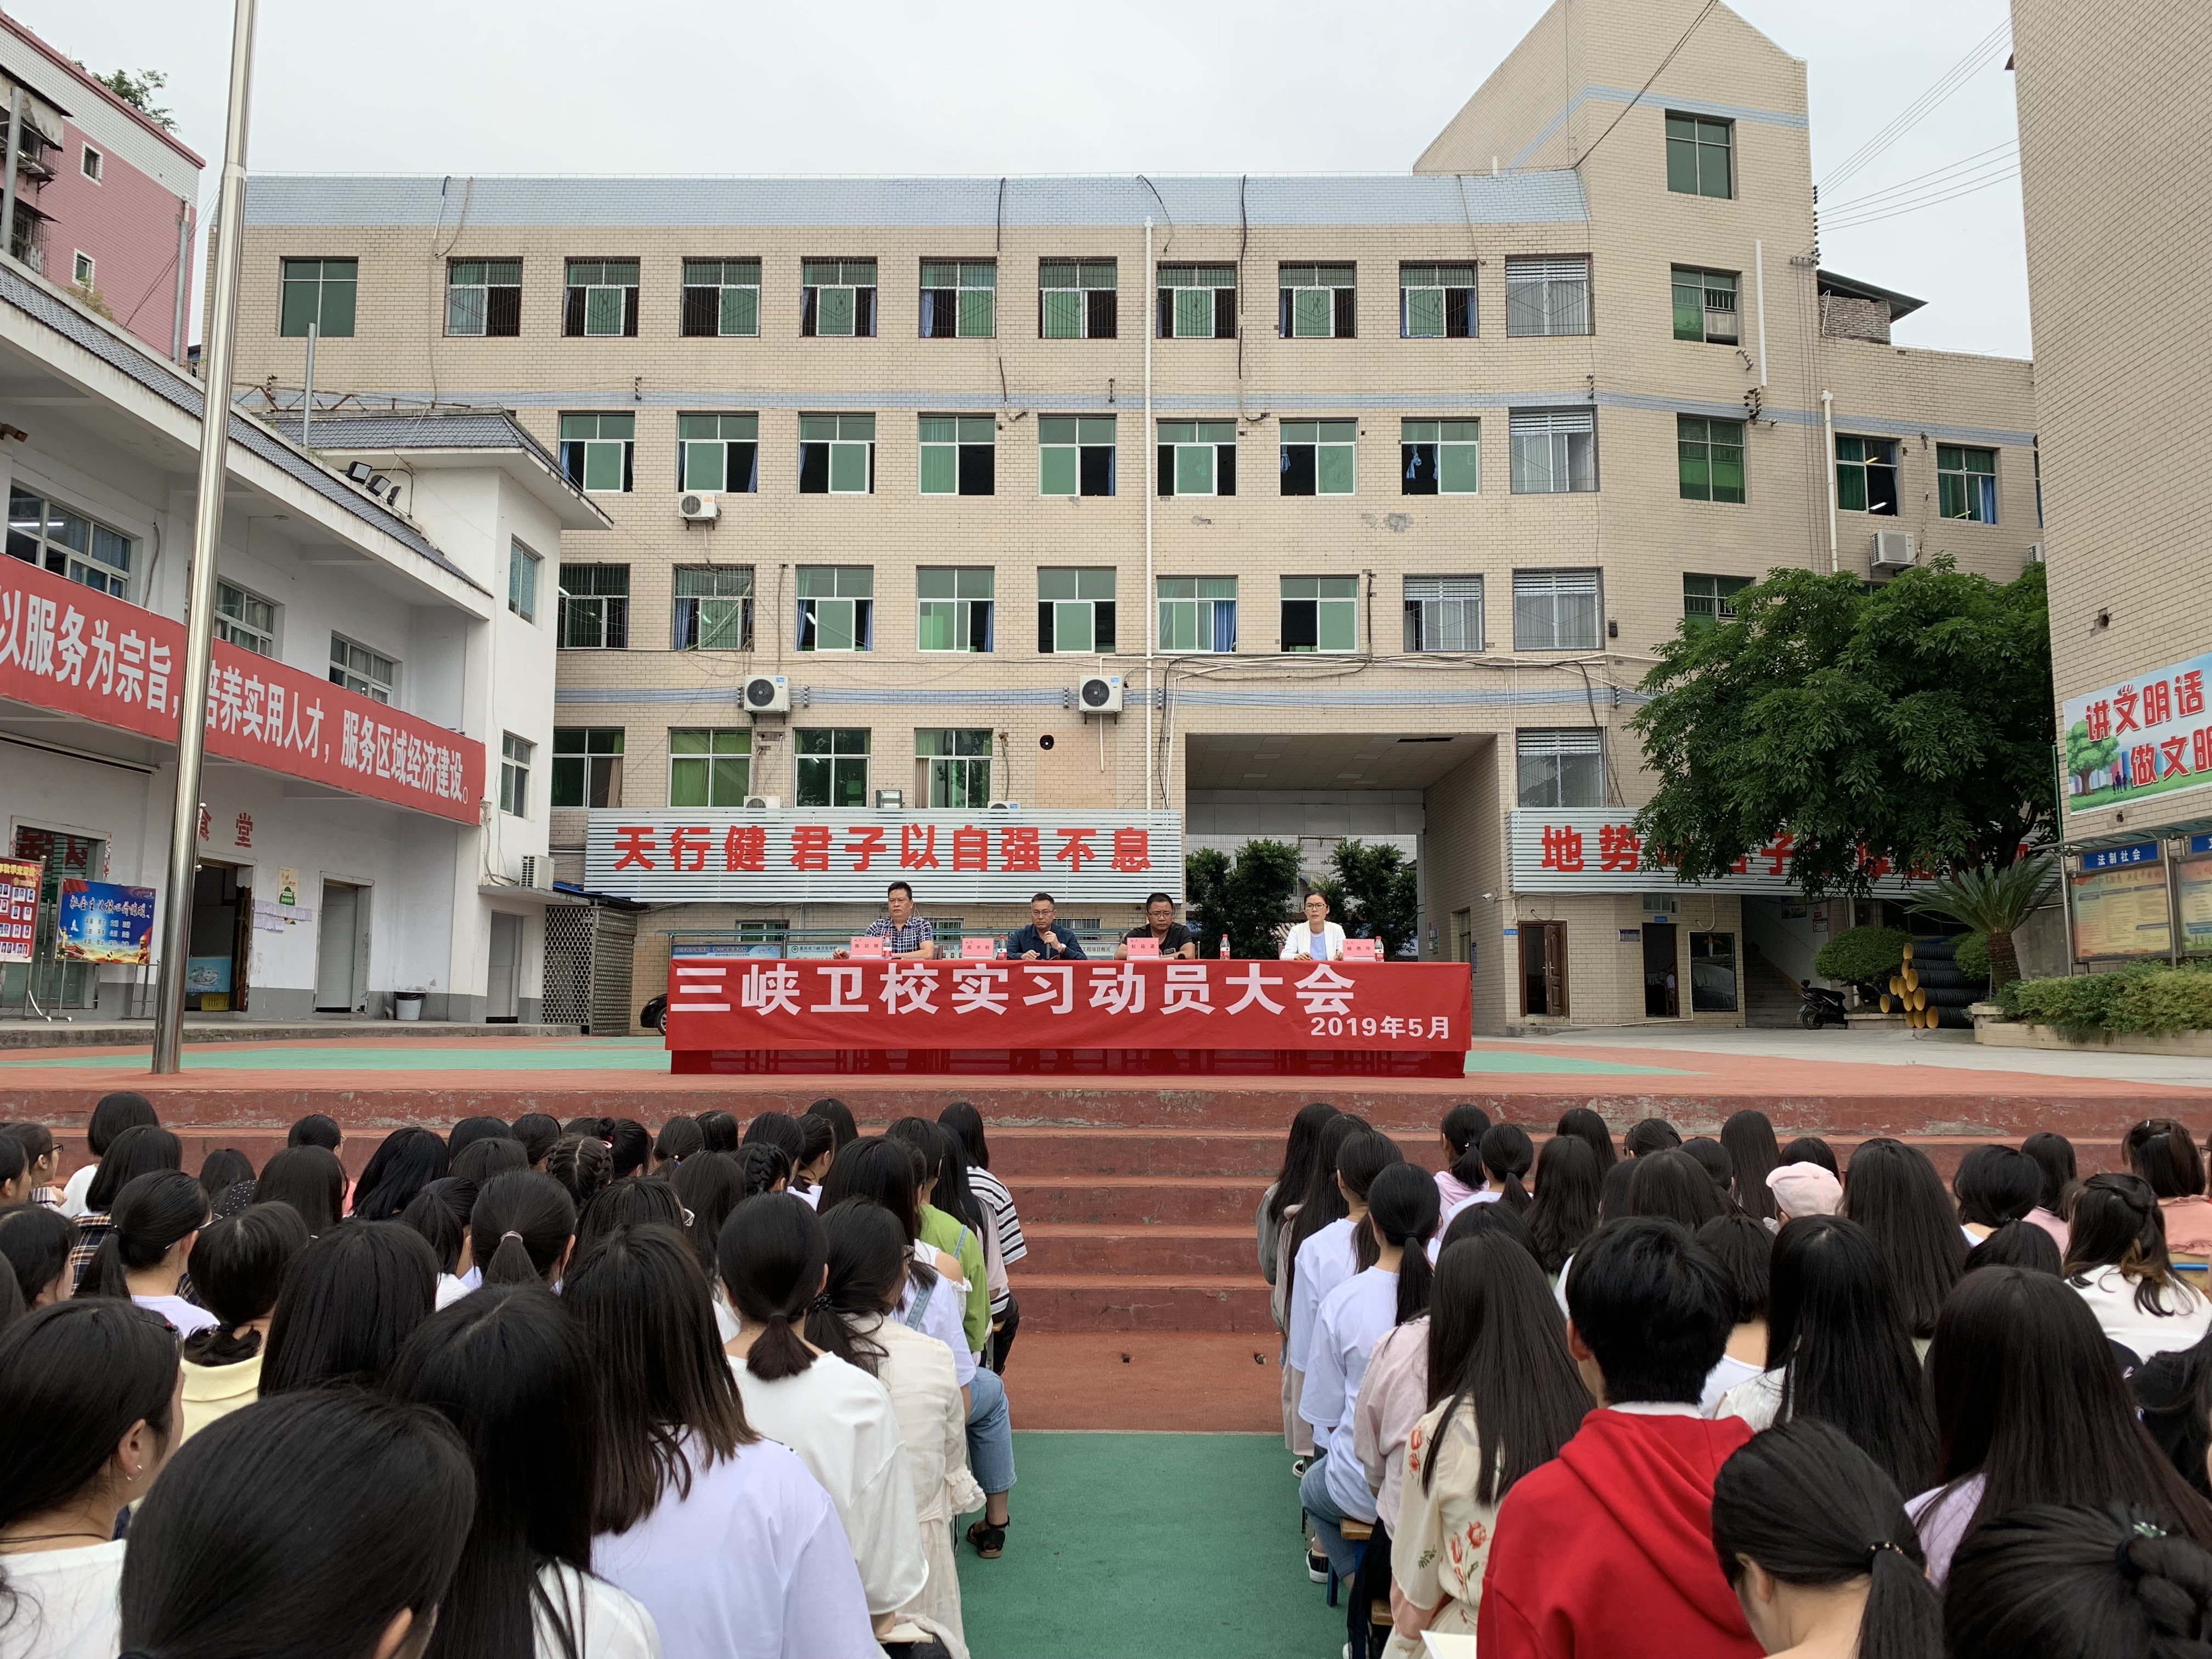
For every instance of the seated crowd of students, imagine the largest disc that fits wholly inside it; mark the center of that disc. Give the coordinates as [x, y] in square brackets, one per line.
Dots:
[519, 1391]
[1725, 1397]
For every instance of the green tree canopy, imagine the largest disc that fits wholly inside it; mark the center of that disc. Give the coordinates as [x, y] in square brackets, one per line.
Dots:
[1248, 900]
[1376, 892]
[137, 91]
[1911, 723]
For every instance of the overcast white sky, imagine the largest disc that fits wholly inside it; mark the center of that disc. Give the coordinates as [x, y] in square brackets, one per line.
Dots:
[869, 87]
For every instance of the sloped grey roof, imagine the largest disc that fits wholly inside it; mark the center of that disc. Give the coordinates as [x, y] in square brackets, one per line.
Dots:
[414, 428]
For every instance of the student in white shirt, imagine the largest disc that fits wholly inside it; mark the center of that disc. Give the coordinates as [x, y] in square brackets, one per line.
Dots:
[87, 1418]
[2115, 1258]
[508, 1368]
[1312, 1210]
[1745, 1250]
[126, 1108]
[1328, 1251]
[731, 1545]
[1318, 937]
[153, 1223]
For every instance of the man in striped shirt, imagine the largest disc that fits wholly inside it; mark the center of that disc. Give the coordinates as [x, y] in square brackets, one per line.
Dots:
[906, 936]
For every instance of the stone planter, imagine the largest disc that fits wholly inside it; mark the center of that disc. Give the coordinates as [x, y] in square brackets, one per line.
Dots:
[2003, 1033]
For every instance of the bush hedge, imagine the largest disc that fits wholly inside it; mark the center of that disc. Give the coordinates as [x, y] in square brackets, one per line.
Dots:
[1863, 955]
[1973, 956]
[2147, 1000]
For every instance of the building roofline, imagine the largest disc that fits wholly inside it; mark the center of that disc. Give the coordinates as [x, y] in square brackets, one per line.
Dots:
[68, 66]
[1900, 305]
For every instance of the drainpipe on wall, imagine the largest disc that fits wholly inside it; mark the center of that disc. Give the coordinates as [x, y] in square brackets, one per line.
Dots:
[1151, 488]
[179, 317]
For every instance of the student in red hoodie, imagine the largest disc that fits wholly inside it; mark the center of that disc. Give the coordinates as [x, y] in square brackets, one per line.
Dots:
[1607, 1550]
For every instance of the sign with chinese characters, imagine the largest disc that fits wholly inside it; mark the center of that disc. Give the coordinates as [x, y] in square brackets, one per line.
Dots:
[67, 647]
[1581, 850]
[19, 908]
[808, 855]
[100, 921]
[2122, 913]
[2149, 735]
[2117, 858]
[752, 1003]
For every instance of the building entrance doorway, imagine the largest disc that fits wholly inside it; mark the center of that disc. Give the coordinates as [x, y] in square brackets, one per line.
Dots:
[1662, 991]
[1544, 968]
[503, 984]
[221, 936]
[341, 950]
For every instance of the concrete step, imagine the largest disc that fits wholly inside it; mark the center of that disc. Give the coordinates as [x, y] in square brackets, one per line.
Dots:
[1098, 1150]
[1123, 1252]
[1098, 1301]
[1130, 1200]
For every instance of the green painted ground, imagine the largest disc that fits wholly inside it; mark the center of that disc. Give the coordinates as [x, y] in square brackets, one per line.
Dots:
[1503, 1060]
[1149, 1547]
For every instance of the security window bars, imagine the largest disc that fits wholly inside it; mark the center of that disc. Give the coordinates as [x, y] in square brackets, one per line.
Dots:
[1705, 306]
[1439, 458]
[836, 454]
[830, 768]
[602, 298]
[1075, 611]
[1317, 457]
[959, 454]
[1320, 613]
[483, 297]
[1198, 457]
[836, 607]
[1548, 296]
[515, 755]
[594, 607]
[1198, 613]
[956, 765]
[63, 540]
[838, 298]
[359, 669]
[1865, 475]
[1436, 303]
[721, 296]
[1316, 302]
[1554, 451]
[1075, 454]
[1077, 300]
[245, 620]
[588, 765]
[1444, 613]
[954, 607]
[522, 568]
[596, 451]
[959, 299]
[1700, 155]
[1561, 767]
[319, 292]
[713, 608]
[710, 767]
[1967, 483]
[1555, 610]
[1710, 599]
[1712, 453]
[718, 452]
[1197, 302]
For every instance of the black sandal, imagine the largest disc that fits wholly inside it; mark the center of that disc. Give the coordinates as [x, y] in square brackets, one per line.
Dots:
[990, 1542]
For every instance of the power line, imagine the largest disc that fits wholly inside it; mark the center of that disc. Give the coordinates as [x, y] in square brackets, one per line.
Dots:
[1978, 57]
[1704, 12]
[1875, 218]
[1976, 162]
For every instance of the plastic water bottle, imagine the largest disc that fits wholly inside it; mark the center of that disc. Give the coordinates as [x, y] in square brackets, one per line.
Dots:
[1224, 947]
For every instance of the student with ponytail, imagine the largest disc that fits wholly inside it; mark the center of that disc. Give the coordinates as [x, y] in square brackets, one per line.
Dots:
[238, 1265]
[582, 1164]
[680, 1138]
[2079, 1583]
[152, 1225]
[773, 1257]
[1313, 1208]
[1812, 1536]
[522, 1229]
[143, 1149]
[1301, 1151]
[1507, 1156]
[1461, 1133]
[1337, 1244]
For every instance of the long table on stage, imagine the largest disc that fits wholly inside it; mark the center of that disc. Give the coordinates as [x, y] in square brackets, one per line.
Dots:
[749, 1015]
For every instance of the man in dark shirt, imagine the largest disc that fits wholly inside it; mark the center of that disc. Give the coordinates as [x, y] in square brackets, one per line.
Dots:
[1174, 939]
[1044, 938]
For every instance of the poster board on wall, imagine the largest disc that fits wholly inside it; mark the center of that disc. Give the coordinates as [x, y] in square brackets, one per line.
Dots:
[2122, 913]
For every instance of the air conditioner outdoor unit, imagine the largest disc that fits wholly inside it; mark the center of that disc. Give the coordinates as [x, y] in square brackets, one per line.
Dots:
[1005, 806]
[763, 803]
[698, 509]
[537, 871]
[2035, 552]
[767, 694]
[1099, 694]
[1893, 549]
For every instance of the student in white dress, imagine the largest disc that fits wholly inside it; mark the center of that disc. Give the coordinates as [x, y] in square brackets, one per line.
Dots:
[1745, 1250]
[1312, 1209]
[153, 1221]
[1329, 1243]
[775, 1263]
[731, 1545]
[2115, 1258]
[509, 1370]
[87, 1418]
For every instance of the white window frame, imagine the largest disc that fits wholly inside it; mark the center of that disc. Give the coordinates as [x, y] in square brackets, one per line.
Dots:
[835, 441]
[1171, 476]
[1290, 291]
[77, 565]
[1079, 272]
[1537, 596]
[852, 586]
[482, 290]
[92, 163]
[1320, 436]
[968, 431]
[596, 446]
[1549, 436]
[731, 615]
[1187, 610]
[516, 757]
[973, 771]
[1438, 606]
[731, 429]
[1322, 602]
[959, 607]
[1556, 308]
[844, 284]
[1442, 289]
[235, 627]
[966, 280]
[527, 565]
[1085, 605]
[1556, 744]
[377, 678]
[611, 611]
[1428, 435]
[84, 269]
[723, 289]
[593, 291]
[1194, 270]
[1053, 439]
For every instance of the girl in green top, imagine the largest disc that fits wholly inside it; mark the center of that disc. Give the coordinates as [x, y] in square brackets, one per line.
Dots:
[951, 1216]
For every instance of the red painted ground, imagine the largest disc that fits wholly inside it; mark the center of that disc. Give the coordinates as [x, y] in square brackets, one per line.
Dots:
[1162, 1381]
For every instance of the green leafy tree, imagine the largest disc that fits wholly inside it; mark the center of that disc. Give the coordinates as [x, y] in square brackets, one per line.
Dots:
[1911, 724]
[2086, 754]
[1248, 900]
[137, 91]
[1994, 900]
[1376, 892]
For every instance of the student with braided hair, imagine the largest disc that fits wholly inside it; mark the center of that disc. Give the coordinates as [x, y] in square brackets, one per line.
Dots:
[2112, 1582]
[2115, 1258]
[2162, 1152]
[583, 1165]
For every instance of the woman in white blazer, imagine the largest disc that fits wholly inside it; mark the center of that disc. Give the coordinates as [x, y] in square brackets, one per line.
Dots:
[1319, 938]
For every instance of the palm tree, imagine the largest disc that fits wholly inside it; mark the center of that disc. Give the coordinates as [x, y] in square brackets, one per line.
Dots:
[1994, 902]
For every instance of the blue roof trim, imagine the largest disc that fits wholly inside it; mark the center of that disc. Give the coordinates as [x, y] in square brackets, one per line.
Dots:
[1746, 112]
[1034, 203]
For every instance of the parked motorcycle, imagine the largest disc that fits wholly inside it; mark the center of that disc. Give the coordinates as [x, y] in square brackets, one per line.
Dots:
[1819, 1007]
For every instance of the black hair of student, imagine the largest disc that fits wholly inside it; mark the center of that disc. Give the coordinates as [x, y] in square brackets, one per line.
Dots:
[143, 1148]
[11, 1302]
[598, 1128]
[489, 1156]
[2078, 1583]
[35, 1242]
[955, 1194]
[1361, 1158]
[1322, 1203]
[151, 1216]
[521, 1227]
[470, 1130]
[310, 1180]
[537, 1131]
[2173, 1396]
[1834, 1330]
[1496, 1349]
[777, 1129]
[1854, 1527]
[1713, 1158]
[709, 1186]
[406, 1162]
[1477, 1220]
[125, 1108]
[238, 1267]
[36, 1139]
[1652, 1134]
[665, 1390]
[2016, 1244]
[1507, 1156]
[628, 1204]
[1612, 1191]
[719, 1131]
[632, 1145]
[937, 1145]
[2117, 1221]
[1996, 1184]
[1894, 1192]
[1404, 1204]
[762, 1166]
[581, 1163]
[1565, 1209]
[867, 1260]
[316, 1129]
[222, 1170]
[74, 1378]
[442, 1230]
[2054, 1156]
[1463, 1127]
[1811, 1149]
[298, 1528]
[13, 1160]
[1749, 1137]
[841, 1119]
[679, 1138]
[350, 1302]
[1653, 1307]
[1673, 1185]
[771, 1256]
[2029, 1396]
[2164, 1153]
[820, 1138]
[1744, 1251]
[509, 1371]
[1587, 1125]
[881, 1168]
[967, 1123]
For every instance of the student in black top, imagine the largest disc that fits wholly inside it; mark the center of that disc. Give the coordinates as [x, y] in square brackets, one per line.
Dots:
[1174, 940]
[1044, 937]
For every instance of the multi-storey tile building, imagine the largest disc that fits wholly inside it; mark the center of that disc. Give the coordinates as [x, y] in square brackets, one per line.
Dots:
[1377, 493]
